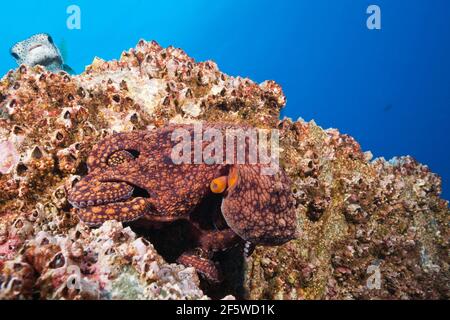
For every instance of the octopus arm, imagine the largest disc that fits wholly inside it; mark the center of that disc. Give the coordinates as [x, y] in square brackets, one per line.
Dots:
[120, 211]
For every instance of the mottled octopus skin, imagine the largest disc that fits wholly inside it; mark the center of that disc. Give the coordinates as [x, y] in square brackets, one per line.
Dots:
[257, 208]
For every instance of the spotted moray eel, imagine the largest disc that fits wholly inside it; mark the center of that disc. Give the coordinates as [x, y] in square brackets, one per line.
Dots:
[132, 176]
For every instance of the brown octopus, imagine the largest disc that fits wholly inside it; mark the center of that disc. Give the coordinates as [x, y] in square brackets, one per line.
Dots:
[133, 176]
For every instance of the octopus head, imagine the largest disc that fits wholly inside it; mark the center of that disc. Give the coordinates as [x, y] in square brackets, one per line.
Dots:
[113, 188]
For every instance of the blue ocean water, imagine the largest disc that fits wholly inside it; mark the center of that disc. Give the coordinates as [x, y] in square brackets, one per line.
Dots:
[388, 88]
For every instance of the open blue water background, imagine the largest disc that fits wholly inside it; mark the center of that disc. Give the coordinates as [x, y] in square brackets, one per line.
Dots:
[390, 89]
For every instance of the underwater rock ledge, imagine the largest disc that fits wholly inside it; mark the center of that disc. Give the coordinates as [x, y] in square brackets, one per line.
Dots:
[360, 218]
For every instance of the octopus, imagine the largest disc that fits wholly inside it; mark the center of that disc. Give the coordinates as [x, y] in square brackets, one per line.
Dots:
[133, 176]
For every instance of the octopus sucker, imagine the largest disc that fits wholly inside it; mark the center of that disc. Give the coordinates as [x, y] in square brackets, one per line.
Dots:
[120, 211]
[219, 185]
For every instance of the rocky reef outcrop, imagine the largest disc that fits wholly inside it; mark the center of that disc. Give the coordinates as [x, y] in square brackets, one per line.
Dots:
[369, 228]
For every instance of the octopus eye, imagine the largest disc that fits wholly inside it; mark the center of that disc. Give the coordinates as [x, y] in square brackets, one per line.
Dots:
[120, 157]
[50, 39]
[218, 185]
[15, 55]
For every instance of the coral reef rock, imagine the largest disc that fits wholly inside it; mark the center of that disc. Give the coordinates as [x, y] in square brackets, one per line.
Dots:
[370, 229]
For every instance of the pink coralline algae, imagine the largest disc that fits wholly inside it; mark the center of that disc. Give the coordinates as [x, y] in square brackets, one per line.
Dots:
[8, 157]
[369, 229]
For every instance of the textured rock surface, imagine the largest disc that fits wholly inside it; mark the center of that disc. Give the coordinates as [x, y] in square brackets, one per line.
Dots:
[361, 220]
[356, 215]
[107, 263]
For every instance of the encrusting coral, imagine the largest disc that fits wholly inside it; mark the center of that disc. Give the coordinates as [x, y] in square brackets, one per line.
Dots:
[369, 228]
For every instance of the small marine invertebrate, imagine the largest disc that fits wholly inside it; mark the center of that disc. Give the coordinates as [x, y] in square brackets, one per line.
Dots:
[133, 176]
